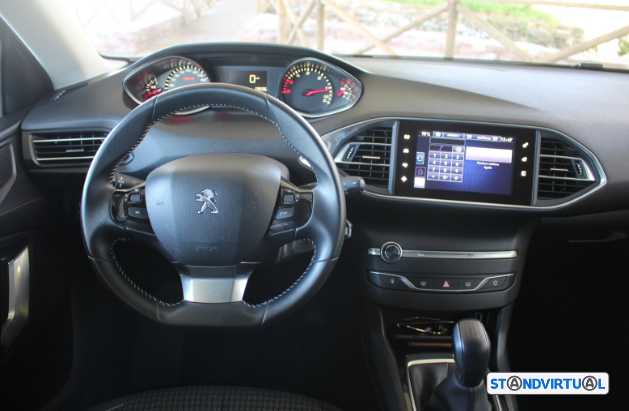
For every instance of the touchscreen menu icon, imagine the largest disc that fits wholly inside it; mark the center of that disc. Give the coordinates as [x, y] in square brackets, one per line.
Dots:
[419, 158]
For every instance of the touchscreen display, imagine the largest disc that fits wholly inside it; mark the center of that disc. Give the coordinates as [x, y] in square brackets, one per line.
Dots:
[256, 80]
[456, 161]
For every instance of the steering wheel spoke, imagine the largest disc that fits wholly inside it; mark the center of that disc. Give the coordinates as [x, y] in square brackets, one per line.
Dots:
[215, 284]
[293, 208]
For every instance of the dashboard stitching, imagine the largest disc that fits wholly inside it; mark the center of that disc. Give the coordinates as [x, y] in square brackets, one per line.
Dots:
[126, 277]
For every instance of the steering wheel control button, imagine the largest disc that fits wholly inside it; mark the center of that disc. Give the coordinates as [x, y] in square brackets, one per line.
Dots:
[284, 213]
[289, 198]
[135, 198]
[494, 283]
[138, 212]
[123, 181]
[352, 184]
[391, 252]
[283, 226]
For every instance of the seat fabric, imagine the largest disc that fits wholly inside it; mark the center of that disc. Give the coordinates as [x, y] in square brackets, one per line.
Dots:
[214, 398]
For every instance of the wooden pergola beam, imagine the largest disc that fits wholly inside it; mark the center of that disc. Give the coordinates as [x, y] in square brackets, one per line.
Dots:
[421, 19]
[293, 19]
[577, 48]
[359, 27]
[494, 33]
[301, 21]
[320, 25]
[453, 16]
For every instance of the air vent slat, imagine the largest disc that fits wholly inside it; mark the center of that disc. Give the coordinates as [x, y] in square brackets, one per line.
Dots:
[71, 148]
[368, 155]
[560, 177]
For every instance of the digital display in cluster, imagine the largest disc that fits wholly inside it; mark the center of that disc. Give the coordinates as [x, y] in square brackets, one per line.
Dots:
[256, 80]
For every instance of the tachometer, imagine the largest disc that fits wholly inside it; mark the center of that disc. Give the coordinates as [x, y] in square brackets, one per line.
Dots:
[306, 88]
[316, 88]
[185, 76]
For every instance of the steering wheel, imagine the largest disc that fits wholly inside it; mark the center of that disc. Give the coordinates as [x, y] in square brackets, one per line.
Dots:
[214, 216]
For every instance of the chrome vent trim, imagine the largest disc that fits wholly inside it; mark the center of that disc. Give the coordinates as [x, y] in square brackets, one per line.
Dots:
[70, 147]
[367, 154]
[562, 170]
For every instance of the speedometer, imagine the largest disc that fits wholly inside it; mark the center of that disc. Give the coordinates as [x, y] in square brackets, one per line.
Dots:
[316, 88]
[168, 73]
[185, 76]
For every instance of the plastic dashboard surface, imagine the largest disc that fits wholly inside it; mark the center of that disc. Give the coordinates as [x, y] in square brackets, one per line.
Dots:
[545, 98]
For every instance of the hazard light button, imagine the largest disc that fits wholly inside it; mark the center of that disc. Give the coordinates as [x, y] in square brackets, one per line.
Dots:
[446, 284]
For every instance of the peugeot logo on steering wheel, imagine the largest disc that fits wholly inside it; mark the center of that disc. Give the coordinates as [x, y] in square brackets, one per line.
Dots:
[209, 198]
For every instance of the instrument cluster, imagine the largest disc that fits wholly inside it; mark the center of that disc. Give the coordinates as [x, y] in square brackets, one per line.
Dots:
[312, 87]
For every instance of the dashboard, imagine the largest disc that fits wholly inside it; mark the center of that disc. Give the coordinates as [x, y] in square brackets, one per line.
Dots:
[458, 163]
[310, 86]
[527, 138]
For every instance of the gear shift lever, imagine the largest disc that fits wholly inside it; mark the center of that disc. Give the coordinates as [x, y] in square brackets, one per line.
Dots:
[464, 388]
[471, 351]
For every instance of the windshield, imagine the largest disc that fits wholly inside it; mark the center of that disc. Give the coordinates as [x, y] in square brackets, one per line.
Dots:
[589, 31]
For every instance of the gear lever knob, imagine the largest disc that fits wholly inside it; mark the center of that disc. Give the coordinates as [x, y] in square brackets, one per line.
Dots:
[471, 351]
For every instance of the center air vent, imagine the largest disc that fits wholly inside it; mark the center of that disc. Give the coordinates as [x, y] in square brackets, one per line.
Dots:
[562, 170]
[69, 148]
[368, 155]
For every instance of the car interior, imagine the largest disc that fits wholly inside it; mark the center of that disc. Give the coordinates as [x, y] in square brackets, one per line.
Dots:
[244, 226]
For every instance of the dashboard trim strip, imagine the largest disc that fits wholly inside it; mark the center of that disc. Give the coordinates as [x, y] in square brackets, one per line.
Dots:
[362, 164]
[52, 140]
[452, 255]
[336, 138]
[18, 293]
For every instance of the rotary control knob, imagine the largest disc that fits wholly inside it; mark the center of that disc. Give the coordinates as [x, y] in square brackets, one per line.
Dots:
[391, 252]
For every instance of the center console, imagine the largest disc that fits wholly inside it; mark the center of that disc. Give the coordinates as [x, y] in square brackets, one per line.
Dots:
[443, 212]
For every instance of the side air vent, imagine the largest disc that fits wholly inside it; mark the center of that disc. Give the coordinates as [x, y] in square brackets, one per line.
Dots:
[562, 170]
[66, 148]
[368, 155]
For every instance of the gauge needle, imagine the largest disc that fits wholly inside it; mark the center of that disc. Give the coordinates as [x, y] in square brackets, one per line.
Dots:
[150, 93]
[340, 93]
[311, 92]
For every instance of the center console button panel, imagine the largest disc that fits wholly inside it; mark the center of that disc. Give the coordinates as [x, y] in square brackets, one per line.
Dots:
[440, 283]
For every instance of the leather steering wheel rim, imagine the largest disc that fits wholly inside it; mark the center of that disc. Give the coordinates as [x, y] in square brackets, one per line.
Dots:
[325, 229]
